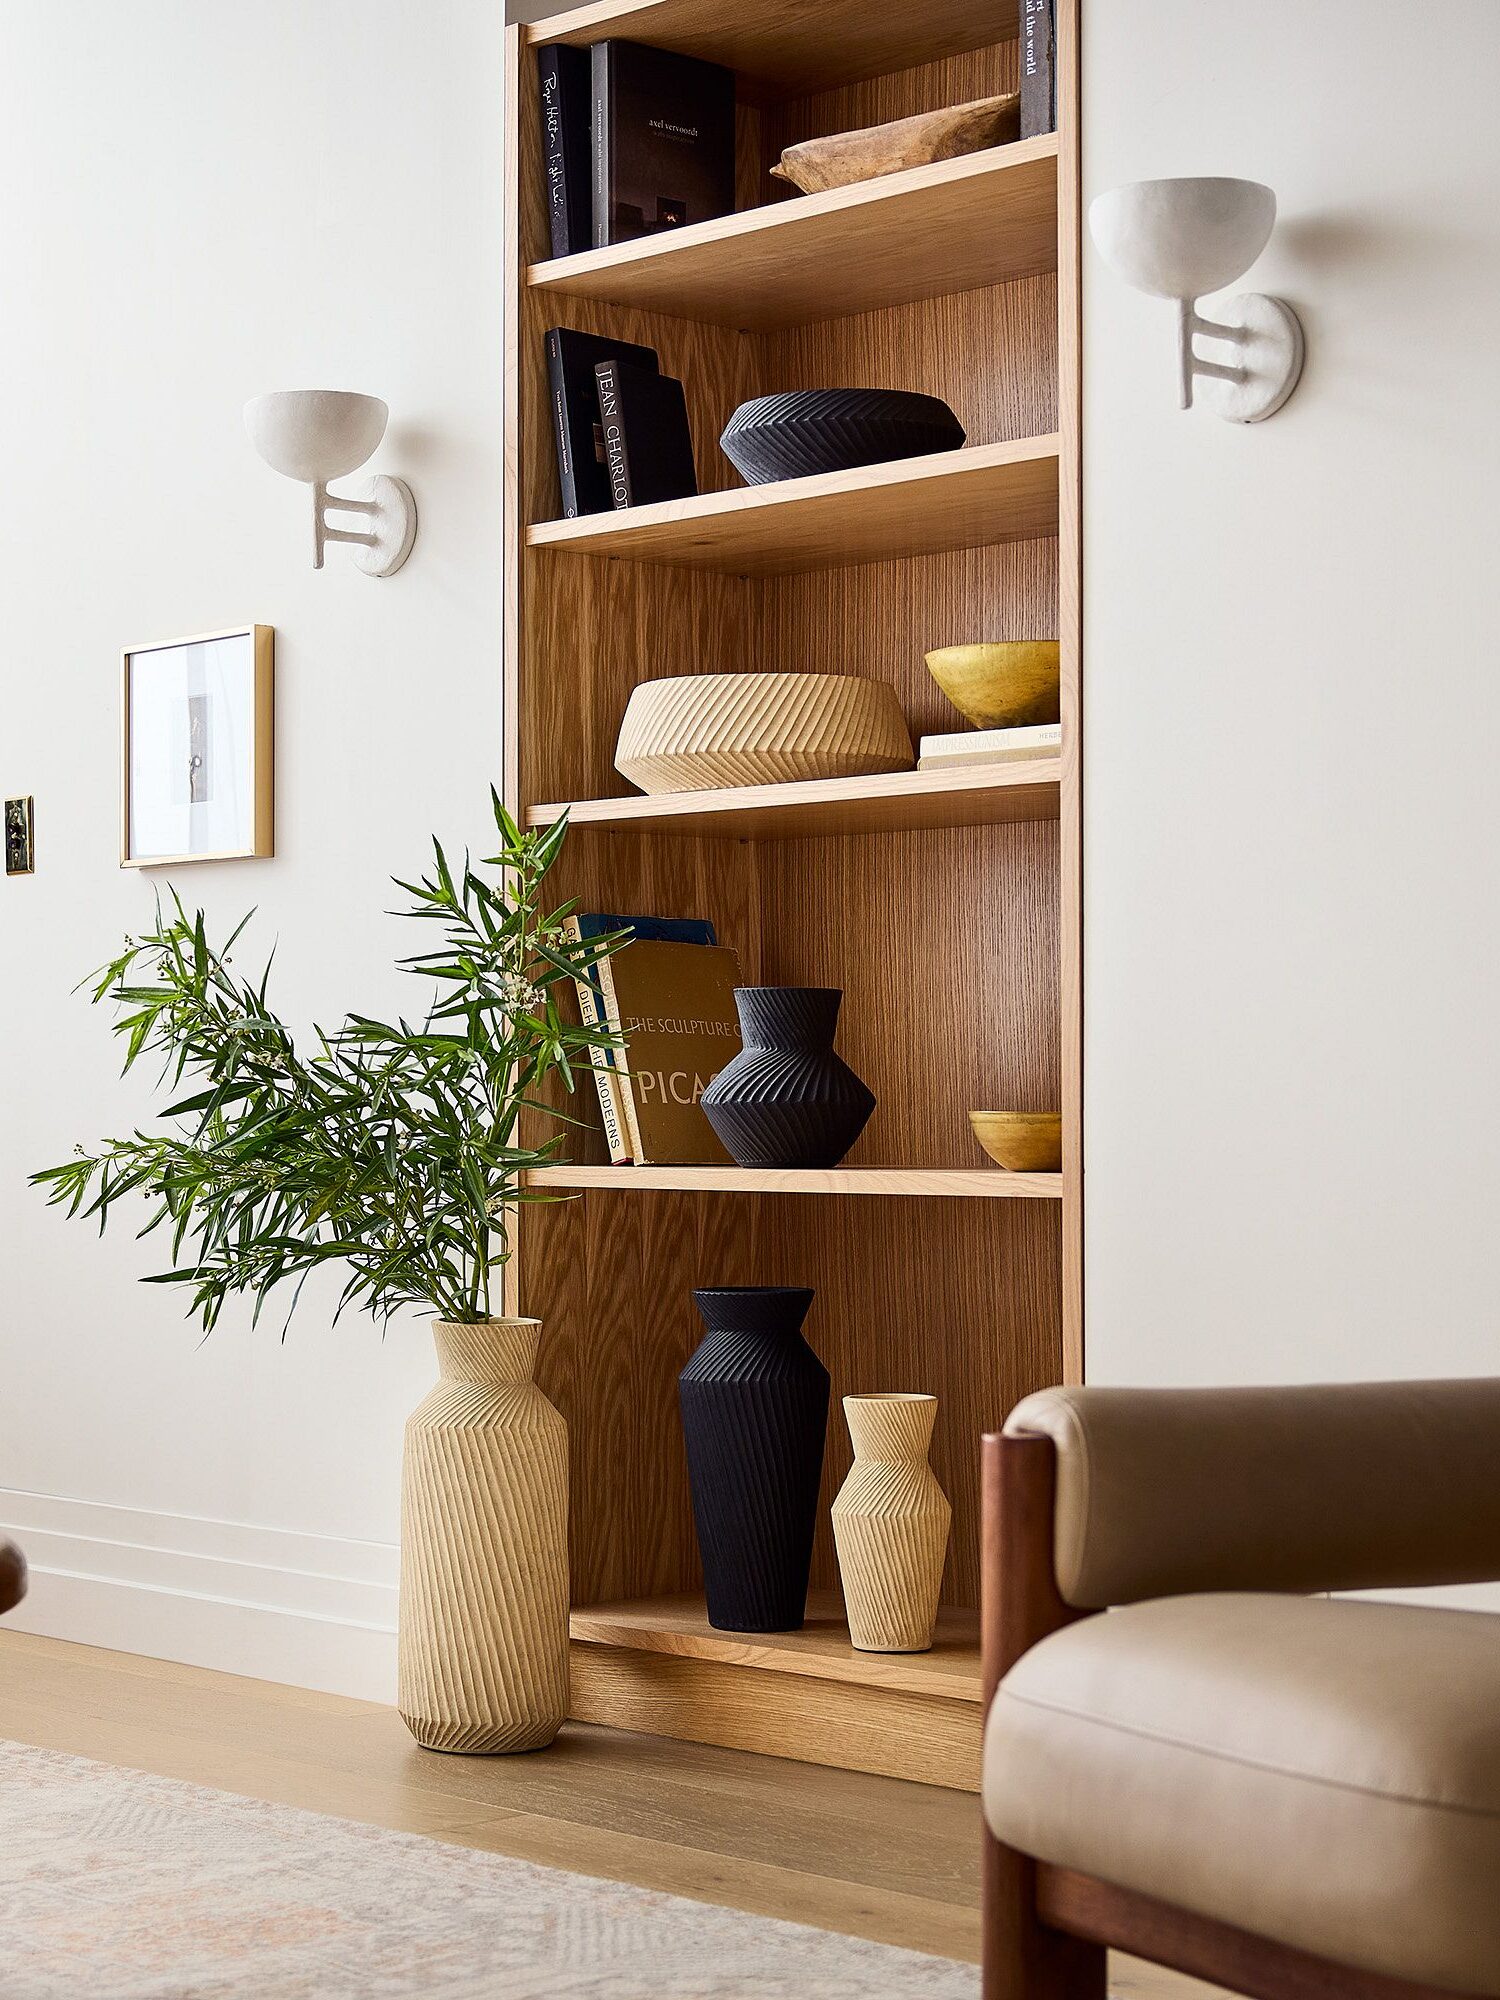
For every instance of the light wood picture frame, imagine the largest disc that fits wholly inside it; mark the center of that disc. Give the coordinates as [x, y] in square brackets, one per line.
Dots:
[197, 748]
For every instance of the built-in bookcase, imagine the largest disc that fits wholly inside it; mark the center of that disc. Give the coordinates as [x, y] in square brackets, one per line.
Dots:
[945, 903]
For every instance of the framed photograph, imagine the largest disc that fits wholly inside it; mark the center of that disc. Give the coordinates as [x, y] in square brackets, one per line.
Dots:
[197, 722]
[20, 837]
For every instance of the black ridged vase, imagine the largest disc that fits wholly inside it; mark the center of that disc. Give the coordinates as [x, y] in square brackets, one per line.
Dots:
[787, 1100]
[755, 1415]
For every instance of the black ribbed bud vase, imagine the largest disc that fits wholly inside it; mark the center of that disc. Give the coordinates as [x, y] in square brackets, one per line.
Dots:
[787, 1100]
[755, 1416]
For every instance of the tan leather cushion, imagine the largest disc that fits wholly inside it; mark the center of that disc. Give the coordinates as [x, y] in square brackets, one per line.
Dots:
[1361, 1486]
[1320, 1772]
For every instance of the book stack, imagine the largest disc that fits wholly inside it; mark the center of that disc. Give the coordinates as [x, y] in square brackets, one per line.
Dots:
[634, 140]
[641, 449]
[989, 746]
[669, 997]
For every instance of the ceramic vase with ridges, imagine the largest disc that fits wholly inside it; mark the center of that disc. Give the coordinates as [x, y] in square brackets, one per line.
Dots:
[754, 1401]
[787, 1100]
[483, 1649]
[798, 432]
[890, 1525]
[696, 732]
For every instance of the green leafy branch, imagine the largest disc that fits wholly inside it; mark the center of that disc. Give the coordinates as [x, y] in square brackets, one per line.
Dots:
[394, 1148]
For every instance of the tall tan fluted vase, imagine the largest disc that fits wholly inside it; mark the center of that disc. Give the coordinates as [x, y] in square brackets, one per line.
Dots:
[890, 1525]
[484, 1548]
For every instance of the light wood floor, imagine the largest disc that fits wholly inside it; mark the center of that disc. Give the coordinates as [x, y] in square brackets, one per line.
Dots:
[872, 1856]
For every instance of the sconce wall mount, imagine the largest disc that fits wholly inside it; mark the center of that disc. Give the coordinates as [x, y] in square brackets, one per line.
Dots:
[1181, 239]
[315, 435]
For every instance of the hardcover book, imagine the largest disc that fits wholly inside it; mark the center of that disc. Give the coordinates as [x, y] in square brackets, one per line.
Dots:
[989, 746]
[648, 448]
[674, 1004]
[1038, 68]
[574, 390]
[566, 79]
[663, 141]
[584, 928]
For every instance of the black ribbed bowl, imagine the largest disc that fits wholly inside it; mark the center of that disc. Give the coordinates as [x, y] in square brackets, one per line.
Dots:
[829, 430]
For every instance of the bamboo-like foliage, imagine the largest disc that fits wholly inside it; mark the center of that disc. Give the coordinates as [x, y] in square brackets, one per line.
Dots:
[393, 1148]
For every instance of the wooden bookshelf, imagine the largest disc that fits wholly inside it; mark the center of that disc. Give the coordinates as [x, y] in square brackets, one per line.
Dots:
[944, 903]
[952, 227]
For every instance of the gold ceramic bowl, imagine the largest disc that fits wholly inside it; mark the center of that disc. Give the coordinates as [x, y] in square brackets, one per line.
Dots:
[1002, 685]
[1027, 1142]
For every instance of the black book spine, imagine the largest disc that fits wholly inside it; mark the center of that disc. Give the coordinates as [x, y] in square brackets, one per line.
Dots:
[554, 146]
[1038, 68]
[611, 418]
[603, 174]
[557, 389]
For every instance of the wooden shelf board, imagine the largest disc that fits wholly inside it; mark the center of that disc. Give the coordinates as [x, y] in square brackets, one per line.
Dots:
[975, 1183]
[820, 1651]
[834, 520]
[789, 45]
[888, 802]
[949, 227]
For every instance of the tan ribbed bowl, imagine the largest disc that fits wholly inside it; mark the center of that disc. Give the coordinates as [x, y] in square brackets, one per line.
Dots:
[702, 732]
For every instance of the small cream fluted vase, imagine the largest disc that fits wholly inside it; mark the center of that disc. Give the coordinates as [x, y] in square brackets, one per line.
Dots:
[890, 1524]
[484, 1548]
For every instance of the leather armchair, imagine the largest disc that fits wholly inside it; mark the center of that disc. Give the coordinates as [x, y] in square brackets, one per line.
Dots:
[1191, 1752]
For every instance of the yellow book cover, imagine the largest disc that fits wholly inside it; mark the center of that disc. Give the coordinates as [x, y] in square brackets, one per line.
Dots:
[675, 1005]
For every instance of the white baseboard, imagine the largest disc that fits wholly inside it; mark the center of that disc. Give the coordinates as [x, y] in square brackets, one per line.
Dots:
[313, 1611]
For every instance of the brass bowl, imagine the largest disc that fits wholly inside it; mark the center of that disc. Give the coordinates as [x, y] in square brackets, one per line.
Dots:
[1026, 1142]
[1000, 685]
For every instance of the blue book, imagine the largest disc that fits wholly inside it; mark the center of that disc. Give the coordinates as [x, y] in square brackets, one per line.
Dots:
[594, 1004]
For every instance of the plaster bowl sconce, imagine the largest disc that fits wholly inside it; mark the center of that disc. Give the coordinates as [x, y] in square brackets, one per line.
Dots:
[320, 434]
[1181, 238]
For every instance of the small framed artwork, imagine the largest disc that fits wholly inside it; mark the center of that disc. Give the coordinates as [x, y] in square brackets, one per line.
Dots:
[20, 837]
[197, 721]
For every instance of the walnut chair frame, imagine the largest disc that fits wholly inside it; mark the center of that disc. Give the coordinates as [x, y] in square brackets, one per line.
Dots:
[1047, 1930]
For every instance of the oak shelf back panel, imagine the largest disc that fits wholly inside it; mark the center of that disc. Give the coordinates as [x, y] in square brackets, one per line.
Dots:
[959, 1296]
[621, 623]
[944, 944]
[784, 46]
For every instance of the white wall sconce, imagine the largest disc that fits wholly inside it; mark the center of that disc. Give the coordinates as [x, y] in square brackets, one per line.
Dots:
[320, 434]
[1181, 238]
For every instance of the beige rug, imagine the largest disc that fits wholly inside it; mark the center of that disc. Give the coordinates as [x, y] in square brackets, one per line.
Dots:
[115, 1885]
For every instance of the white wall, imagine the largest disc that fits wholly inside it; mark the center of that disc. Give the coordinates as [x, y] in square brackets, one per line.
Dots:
[204, 199]
[1293, 707]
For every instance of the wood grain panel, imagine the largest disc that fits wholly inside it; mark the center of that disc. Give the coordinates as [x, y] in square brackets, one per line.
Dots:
[821, 1649]
[814, 1721]
[974, 795]
[944, 1183]
[953, 226]
[1070, 631]
[779, 46]
[945, 945]
[1003, 492]
[930, 81]
[991, 355]
[958, 1300]
[882, 618]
